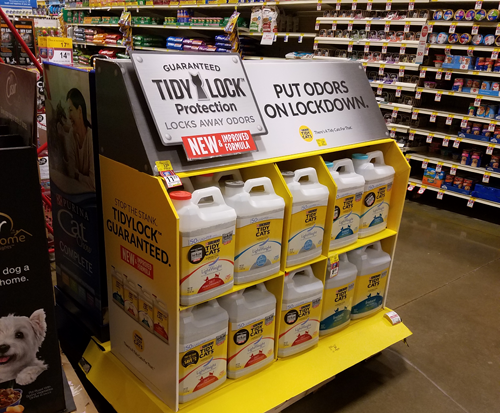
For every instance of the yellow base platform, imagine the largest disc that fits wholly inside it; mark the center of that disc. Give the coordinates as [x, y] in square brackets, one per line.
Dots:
[281, 381]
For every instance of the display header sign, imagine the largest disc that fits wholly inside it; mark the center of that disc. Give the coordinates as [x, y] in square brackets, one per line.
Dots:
[193, 95]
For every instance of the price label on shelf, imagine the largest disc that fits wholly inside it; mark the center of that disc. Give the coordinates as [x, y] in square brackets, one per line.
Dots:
[354, 5]
[334, 25]
[491, 126]
[367, 47]
[452, 28]
[368, 25]
[433, 117]
[430, 27]
[411, 135]
[285, 39]
[401, 71]
[414, 115]
[418, 93]
[318, 6]
[364, 66]
[470, 51]
[439, 74]
[470, 202]
[402, 49]
[489, 149]
[316, 27]
[427, 47]
[463, 122]
[388, 5]
[337, 6]
[369, 5]
[456, 144]
[301, 37]
[475, 29]
[439, 166]
[411, 5]
[437, 97]
[381, 70]
[422, 73]
[425, 163]
[494, 54]
[446, 141]
[479, 5]
[349, 25]
[407, 27]
[422, 189]
[398, 91]
[384, 47]
[166, 171]
[475, 72]
[486, 177]
[447, 50]
[393, 132]
[387, 26]
[497, 30]
[449, 119]
[334, 265]
[408, 157]
[440, 194]
[411, 187]
[379, 89]
[477, 100]
[267, 38]
[349, 46]
[453, 170]
[429, 138]
[315, 45]
[395, 112]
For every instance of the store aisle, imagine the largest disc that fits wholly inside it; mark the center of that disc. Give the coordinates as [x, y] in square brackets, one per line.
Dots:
[445, 286]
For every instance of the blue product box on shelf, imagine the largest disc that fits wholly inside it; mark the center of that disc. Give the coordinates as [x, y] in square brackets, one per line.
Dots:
[475, 137]
[495, 139]
[480, 91]
[487, 192]
[455, 189]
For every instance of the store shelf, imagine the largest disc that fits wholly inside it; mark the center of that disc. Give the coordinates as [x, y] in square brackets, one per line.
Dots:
[334, 40]
[462, 23]
[461, 94]
[367, 63]
[399, 106]
[119, 46]
[398, 128]
[462, 72]
[426, 111]
[172, 27]
[408, 87]
[447, 162]
[463, 47]
[440, 135]
[361, 242]
[283, 34]
[418, 182]
[373, 21]
[281, 381]
[92, 24]
[33, 16]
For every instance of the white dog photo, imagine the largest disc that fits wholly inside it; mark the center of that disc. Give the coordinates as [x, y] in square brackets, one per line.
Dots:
[20, 339]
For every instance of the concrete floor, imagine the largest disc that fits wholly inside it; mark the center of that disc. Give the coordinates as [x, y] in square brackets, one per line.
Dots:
[446, 287]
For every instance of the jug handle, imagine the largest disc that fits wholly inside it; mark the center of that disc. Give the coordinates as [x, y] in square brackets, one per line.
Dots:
[378, 156]
[343, 257]
[309, 172]
[212, 191]
[377, 246]
[347, 163]
[306, 270]
[264, 181]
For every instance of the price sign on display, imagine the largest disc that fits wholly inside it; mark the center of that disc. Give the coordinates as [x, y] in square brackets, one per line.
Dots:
[334, 265]
[401, 71]
[411, 187]
[489, 149]
[414, 115]
[381, 70]
[439, 166]
[387, 26]
[411, 5]
[349, 46]
[166, 171]
[477, 100]
[425, 163]
[367, 47]
[368, 25]
[422, 189]
[449, 119]
[456, 144]
[354, 5]
[491, 126]
[433, 117]
[379, 89]
[446, 141]
[393, 132]
[349, 25]
[384, 47]
[315, 45]
[497, 30]
[285, 39]
[395, 112]
[494, 54]
[479, 5]
[407, 27]
[470, 202]
[411, 135]
[426, 52]
[334, 25]
[369, 5]
[475, 29]
[402, 49]
[429, 138]
[301, 37]
[452, 28]
[440, 194]
[453, 170]
[317, 25]
[463, 123]
[267, 39]
[364, 66]
[388, 5]
[337, 6]
[422, 73]
[437, 98]
[398, 91]
[486, 177]
[318, 6]
[418, 93]
[60, 50]
[439, 74]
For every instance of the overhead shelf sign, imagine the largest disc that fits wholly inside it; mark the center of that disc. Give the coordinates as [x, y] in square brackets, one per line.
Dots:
[203, 102]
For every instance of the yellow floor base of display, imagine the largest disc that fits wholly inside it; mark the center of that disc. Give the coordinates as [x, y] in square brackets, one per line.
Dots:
[281, 381]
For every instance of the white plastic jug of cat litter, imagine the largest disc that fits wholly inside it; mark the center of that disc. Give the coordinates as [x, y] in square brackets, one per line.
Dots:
[307, 226]
[347, 204]
[373, 270]
[377, 193]
[251, 329]
[216, 179]
[202, 349]
[300, 312]
[337, 299]
[259, 228]
[207, 228]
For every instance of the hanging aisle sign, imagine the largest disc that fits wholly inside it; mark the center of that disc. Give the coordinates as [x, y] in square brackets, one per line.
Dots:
[203, 102]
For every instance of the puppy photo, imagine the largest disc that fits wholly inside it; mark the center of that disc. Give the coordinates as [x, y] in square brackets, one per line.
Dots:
[20, 339]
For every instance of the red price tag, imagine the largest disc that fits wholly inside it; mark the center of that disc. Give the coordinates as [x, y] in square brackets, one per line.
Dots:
[486, 177]
[334, 25]
[367, 47]
[489, 149]
[470, 51]
[497, 30]
[453, 170]
[369, 5]
[439, 74]
[388, 5]
[422, 189]
[393, 133]
[470, 202]
[494, 54]
[475, 29]
[452, 28]
[429, 138]
[456, 144]
[440, 194]
[395, 112]
[411, 135]
[368, 25]
[411, 187]
[422, 73]
[437, 98]
[317, 25]
[425, 163]
[387, 26]
[449, 119]
[414, 115]
[418, 93]
[491, 127]
[337, 6]
[446, 141]
[349, 25]
[401, 71]
[398, 91]
[315, 45]
[411, 5]
[433, 117]
[354, 5]
[318, 6]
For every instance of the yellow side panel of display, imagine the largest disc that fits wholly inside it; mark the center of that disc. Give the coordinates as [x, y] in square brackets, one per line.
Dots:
[141, 239]
[274, 385]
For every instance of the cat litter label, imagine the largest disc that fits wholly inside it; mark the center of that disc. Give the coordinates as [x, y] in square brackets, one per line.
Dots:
[337, 304]
[202, 363]
[258, 241]
[251, 342]
[346, 214]
[300, 322]
[307, 227]
[369, 292]
[207, 262]
[375, 205]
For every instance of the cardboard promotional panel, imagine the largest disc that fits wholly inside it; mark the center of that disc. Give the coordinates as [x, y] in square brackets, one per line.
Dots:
[75, 188]
[141, 241]
[30, 363]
